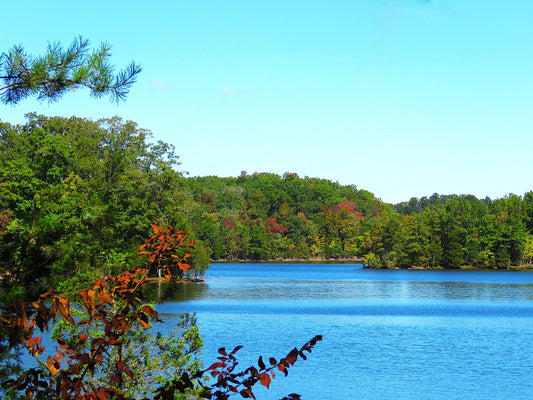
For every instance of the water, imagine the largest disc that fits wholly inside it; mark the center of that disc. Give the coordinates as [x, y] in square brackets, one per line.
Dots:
[387, 334]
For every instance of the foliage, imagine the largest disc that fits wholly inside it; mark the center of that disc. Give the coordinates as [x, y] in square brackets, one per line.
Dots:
[76, 197]
[453, 232]
[266, 216]
[152, 357]
[61, 70]
[100, 364]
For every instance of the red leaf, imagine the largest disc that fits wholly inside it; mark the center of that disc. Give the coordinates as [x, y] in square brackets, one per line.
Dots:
[148, 310]
[215, 366]
[75, 368]
[247, 393]
[292, 356]
[236, 349]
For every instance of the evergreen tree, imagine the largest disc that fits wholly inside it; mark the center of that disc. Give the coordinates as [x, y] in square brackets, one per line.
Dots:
[61, 70]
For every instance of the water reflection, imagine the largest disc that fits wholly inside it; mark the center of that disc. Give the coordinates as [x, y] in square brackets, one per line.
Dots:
[343, 289]
[160, 292]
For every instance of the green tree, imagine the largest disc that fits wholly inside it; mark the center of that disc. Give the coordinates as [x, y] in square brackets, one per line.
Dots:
[78, 194]
[60, 70]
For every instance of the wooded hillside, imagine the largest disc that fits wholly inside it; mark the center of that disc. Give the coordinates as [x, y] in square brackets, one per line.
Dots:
[77, 197]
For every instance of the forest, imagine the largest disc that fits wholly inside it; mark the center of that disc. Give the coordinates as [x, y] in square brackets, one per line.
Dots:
[77, 197]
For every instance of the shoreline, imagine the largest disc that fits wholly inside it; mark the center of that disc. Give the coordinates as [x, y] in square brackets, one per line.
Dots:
[293, 261]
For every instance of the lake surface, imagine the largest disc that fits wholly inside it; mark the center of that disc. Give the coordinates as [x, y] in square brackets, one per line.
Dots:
[387, 334]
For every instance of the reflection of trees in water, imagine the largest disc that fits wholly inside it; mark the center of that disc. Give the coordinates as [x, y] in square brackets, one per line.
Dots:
[160, 292]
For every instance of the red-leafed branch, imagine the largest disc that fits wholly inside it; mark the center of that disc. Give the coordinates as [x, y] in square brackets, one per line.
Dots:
[118, 305]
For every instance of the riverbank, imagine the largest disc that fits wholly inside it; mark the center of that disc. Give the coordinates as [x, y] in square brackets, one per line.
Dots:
[522, 268]
[353, 260]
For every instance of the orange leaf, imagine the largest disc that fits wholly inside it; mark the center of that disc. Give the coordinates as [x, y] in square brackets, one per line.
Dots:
[265, 379]
[64, 308]
[51, 366]
[184, 266]
[88, 299]
[105, 297]
[100, 283]
[191, 243]
[143, 319]
[47, 294]
[168, 275]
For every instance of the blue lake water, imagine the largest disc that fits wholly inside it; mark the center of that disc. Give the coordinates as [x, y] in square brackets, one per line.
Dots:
[387, 334]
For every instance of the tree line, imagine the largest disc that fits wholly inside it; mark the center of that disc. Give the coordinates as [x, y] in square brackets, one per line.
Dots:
[77, 196]
[269, 217]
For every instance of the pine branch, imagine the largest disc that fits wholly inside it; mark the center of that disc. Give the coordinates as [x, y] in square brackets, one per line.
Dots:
[59, 71]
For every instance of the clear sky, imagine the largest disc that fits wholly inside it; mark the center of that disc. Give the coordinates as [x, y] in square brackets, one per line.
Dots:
[399, 97]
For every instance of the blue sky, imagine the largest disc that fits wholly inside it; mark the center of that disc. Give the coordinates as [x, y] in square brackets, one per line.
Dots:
[399, 97]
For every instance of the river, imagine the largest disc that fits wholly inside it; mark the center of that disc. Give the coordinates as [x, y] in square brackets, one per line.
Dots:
[386, 334]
